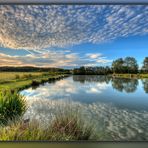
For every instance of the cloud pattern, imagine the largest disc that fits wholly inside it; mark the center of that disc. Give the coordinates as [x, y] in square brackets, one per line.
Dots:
[44, 26]
[52, 59]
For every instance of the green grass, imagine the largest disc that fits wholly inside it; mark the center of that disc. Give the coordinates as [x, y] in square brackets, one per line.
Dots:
[19, 81]
[12, 105]
[67, 125]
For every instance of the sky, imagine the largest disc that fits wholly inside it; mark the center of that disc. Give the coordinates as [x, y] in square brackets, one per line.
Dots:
[69, 36]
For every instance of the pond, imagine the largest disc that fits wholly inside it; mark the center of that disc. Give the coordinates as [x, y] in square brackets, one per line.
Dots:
[116, 106]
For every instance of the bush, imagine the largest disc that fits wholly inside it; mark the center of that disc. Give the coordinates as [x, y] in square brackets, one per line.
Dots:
[35, 83]
[12, 105]
[17, 76]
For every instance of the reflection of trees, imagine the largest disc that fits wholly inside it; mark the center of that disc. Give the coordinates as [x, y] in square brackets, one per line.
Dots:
[127, 85]
[91, 78]
[145, 85]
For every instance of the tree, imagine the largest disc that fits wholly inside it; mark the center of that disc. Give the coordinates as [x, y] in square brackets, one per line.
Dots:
[145, 65]
[130, 64]
[117, 65]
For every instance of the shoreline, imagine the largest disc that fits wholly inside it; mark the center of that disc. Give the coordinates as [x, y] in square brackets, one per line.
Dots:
[130, 76]
[21, 84]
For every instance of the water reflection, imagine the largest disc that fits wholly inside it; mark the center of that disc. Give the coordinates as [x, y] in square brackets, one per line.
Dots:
[127, 85]
[113, 123]
[120, 84]
[91, 78]
[117, 106]
[145, 85]
[124, 93]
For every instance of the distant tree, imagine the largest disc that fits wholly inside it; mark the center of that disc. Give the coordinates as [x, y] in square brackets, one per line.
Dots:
[117, 65]
[145, 65]
[130, 65]
[82, 70]
[92, 70]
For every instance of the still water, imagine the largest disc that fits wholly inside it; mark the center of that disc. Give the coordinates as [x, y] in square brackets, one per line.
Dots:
[117, 107]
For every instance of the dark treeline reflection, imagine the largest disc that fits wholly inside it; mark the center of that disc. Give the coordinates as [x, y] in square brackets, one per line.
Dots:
[145, 85]
[91, 78]
[120, 84]
[127, 85]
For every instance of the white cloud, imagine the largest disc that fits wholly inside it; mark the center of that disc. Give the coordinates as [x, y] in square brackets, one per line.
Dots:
[52, 59]
[94, 55]
[41, 26]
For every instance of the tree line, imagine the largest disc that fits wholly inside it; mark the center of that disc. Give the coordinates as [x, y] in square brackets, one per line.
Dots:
[32, 69]
[126, 65]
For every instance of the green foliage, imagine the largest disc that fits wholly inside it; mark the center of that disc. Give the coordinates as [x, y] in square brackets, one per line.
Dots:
[12, 105]
[131, 65]
[35, 83]
[120, 66]
[117, 65]
[145, 66]
[127, 65]
[92, 70]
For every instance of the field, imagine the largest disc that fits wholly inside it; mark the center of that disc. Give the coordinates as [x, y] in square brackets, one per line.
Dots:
[7, 76]
[21, 80]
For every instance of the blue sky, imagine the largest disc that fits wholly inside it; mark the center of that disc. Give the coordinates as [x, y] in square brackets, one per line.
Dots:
[72, 36]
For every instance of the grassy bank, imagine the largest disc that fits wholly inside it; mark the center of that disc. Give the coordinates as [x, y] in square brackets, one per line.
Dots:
[66, 126]
[19, 80]
[66, 130]
[139, 76]
[67, 123]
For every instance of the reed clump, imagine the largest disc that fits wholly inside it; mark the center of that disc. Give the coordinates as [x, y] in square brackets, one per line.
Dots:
[66, 126]
[12, 105]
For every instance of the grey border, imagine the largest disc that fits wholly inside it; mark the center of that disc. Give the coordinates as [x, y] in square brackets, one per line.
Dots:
[80, 2]
[77, 2]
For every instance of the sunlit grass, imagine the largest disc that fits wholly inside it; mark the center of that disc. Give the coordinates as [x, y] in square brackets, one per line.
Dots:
[5, 76]
[19, 80]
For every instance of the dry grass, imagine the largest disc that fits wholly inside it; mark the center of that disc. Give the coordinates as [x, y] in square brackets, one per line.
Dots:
[7, 76]
[67, 126]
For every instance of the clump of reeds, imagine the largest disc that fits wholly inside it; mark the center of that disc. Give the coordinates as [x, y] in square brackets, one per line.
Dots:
[12, 105]
[67, 125]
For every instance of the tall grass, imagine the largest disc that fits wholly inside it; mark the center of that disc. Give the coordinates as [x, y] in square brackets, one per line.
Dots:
[66, 126]
[12, 105]
[69, 124]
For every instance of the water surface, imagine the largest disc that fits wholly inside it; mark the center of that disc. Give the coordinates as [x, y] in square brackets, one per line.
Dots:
[117, 106]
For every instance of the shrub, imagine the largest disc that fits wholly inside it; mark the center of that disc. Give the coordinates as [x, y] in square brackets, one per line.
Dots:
[12, 105]
[35, 83]
[17, 76]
